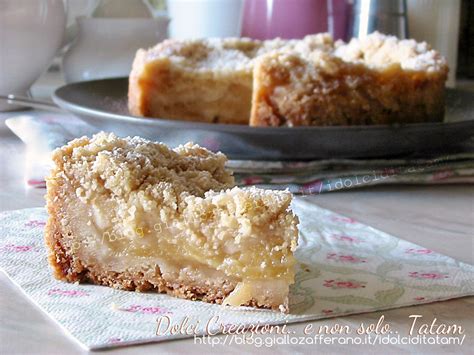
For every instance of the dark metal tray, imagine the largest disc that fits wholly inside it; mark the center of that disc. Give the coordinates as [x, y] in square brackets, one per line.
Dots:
[103, 104]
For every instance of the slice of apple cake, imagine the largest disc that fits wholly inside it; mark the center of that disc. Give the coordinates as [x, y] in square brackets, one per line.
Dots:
[136, 215]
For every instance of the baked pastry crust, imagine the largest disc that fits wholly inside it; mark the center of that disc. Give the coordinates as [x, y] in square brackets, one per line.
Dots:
[313, 81]
[136, 215]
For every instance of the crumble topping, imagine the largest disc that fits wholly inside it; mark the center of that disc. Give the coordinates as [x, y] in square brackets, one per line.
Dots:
[378, 51]
[123, 166]
[375, 50]
[230, 54]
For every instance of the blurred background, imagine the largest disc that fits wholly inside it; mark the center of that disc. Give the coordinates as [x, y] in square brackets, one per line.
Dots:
[75, 40]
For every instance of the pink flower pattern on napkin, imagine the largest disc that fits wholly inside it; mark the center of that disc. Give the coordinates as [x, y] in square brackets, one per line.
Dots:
[136, 308]
[338, 283]
[12, 248]
[428, 275]
[343, 219]
[35, 223]
[345, 258]
[418, 251]
[68, 293]
[345, 238]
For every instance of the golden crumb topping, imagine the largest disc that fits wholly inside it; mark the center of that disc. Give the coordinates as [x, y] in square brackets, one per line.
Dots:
[379, 51]
[230, 53]
[375, 50]
[122, 166]
[204, 54]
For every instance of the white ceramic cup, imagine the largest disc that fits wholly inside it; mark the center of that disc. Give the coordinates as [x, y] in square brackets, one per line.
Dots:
[31, 32]
[205, 18]
[106, 47]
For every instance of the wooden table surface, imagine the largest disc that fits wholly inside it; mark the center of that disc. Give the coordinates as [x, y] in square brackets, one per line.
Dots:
[437, 217]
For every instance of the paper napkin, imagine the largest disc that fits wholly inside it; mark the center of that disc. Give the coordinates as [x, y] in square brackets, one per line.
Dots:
[345, 267]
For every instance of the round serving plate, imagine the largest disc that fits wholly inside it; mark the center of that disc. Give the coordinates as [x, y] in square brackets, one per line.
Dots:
[103, 104]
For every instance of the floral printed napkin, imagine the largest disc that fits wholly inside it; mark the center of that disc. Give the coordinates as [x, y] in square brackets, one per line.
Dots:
[43, 131]
[345, 267]
[315, 177]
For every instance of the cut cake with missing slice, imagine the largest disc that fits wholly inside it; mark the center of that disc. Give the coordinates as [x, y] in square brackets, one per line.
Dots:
[314, 81]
